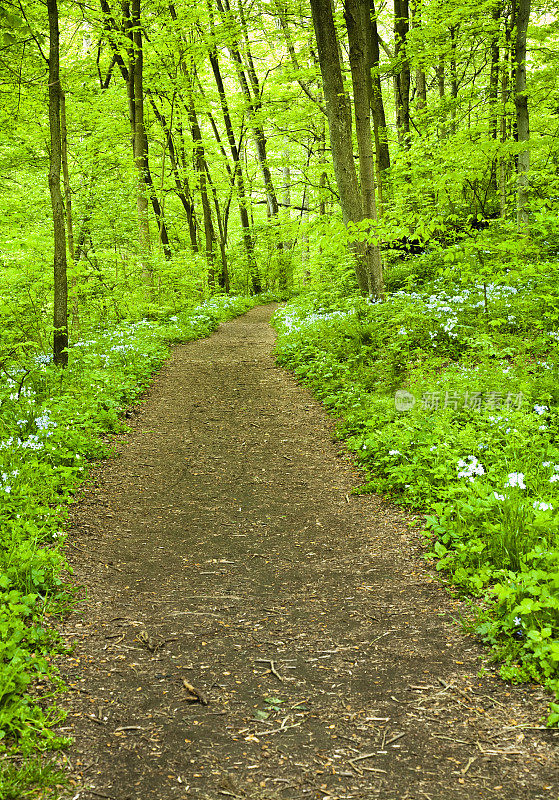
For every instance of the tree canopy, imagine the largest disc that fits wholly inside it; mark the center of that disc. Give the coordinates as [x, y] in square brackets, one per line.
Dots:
[237, 145]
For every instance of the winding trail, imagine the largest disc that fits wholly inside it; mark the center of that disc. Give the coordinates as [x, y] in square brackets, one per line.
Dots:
[223, 548]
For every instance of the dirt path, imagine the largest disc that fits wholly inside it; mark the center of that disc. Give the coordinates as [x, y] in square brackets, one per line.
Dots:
[223, 549]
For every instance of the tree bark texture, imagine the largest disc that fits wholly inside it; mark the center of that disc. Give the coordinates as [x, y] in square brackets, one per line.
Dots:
[402, 67]
[338, 111]
[358, 23]
[60, 317]
[522, 114]
[377, 104]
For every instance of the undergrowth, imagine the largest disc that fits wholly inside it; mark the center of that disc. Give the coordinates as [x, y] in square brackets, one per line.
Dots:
[52, 422]
[449, 397]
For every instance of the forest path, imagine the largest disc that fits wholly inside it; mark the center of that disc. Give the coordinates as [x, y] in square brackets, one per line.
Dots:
[223, 548]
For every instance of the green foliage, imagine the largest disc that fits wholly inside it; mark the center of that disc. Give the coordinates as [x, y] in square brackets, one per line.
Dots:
[479, 448]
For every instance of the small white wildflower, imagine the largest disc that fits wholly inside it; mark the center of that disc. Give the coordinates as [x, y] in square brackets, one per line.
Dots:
[515, 479]
[394, 453]
[540, 409]
[468, 470]
[540, 506]
[518, 621]
[554, 478]
[500, 497]
[546, 463]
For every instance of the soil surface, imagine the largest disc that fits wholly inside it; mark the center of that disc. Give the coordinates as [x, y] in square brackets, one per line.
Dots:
[252, 629]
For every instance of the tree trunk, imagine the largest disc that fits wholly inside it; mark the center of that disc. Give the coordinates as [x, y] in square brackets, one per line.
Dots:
[338, 110]
[254, 105]
[453, 30]
[494, 71]
[236, 156]
[60, 318]
[181, 184]
[402, 75]
[146, 189]
[522, 115]
[420, 77]
[358, 22]
[377, 105]
[201, 169]
[504, 161]
[68, 204]
[136, 110]
[223, 276]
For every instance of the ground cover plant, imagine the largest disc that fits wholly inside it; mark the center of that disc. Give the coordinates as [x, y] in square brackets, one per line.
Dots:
[52, 423]
[448, 395]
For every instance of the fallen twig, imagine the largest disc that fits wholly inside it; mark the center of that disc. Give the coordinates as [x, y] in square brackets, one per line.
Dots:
[130, 728]
[93, 718]
[272, 669]
[197, 694]
[360, 770]
[468, 765]
[394, 739]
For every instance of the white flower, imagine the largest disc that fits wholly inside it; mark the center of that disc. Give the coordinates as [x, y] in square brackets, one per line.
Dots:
[515, 479]
[394, 453]
[546, 464]
[554, 478]
[518, 622]
[540, 506]
[500, 497]
[540, 409]
[468, 470]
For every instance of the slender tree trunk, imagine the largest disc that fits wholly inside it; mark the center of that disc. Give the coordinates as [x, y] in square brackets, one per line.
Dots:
[402, 75]
[181, 184]
[494, 71]
[68, 204]
[453, 30]
[200, 162]
[504, 161]
[420, 77]
[254, 104]
[139, 140]
[440, 74]
[223, 276]
[377, 105]
[146, 190]
[358, 22]
[522, 115]
[338, 111]
[236, 156]
[60, 318]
